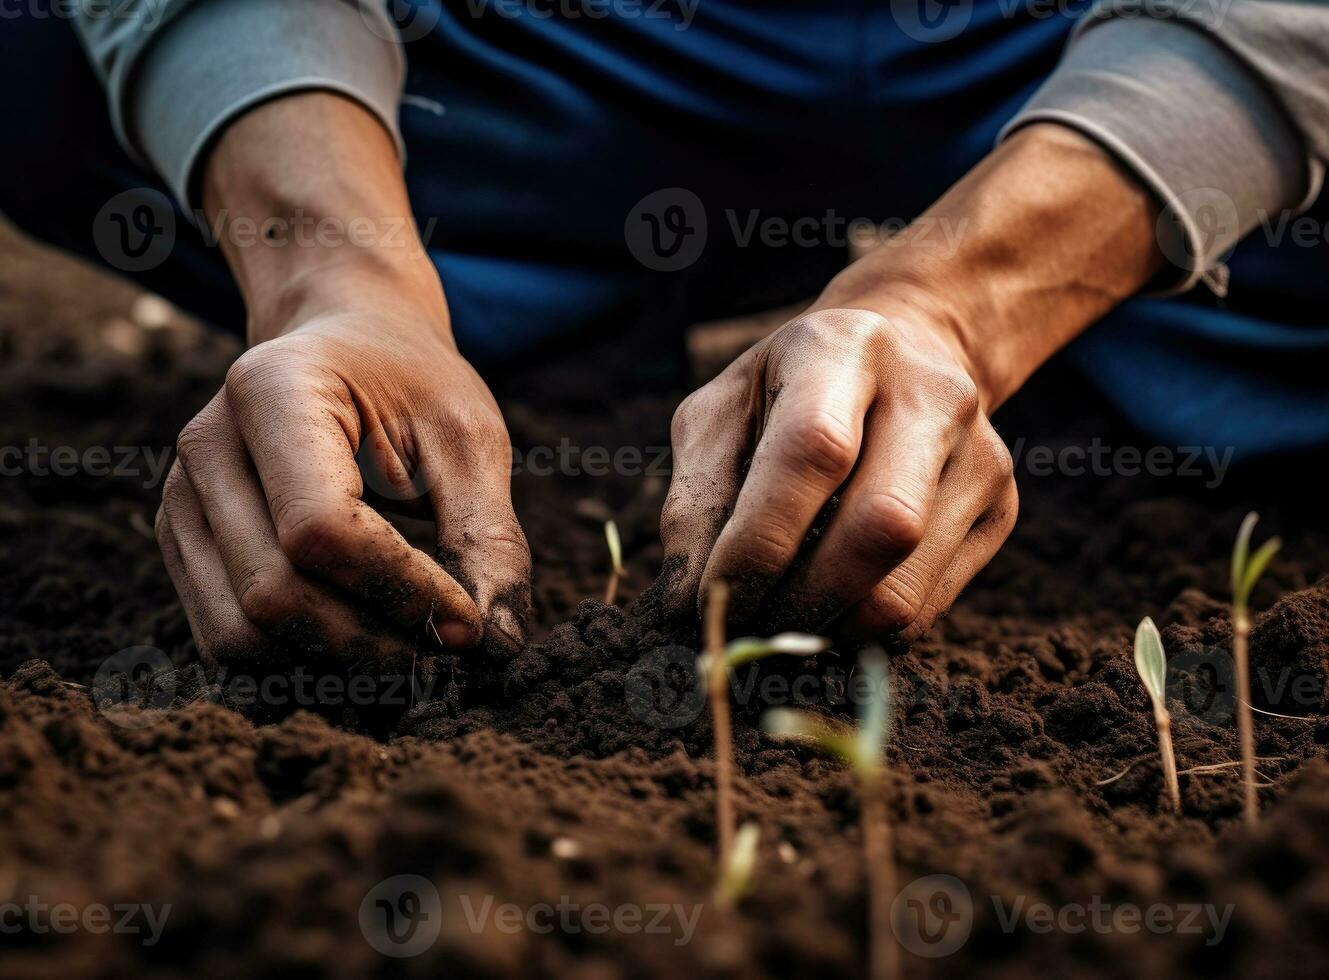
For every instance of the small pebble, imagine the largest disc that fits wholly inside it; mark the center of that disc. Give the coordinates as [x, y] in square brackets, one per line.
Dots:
[565, 848]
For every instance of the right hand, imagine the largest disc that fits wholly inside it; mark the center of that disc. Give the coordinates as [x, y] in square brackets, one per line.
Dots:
[263, 524]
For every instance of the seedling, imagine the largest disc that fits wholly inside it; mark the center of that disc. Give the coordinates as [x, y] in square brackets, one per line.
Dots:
[714, 665]
[1152, 665]
[1246, 571]
[864, 751]
[736, 875]
[615, 561]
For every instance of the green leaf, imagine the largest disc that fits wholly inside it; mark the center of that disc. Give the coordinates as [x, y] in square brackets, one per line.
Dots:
[1240, 553]
[875, 720]
[1257, 564]
[749, 648]
[1150, 660]
[615, 546]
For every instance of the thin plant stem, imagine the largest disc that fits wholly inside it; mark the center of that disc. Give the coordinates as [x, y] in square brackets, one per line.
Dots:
[718, 694]
[1241, 628]
[611, 588]
[1164, 722]
[879, 859]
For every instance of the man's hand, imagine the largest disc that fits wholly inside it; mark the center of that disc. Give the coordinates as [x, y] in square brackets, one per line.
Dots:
[843, 471]
[879, 416]
[354, 389]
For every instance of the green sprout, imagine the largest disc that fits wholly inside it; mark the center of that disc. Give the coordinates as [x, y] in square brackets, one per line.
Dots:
[1151, 663]
[736, 874]
[714, 666]
[864, 751]
[615, 561]
[1246, 571]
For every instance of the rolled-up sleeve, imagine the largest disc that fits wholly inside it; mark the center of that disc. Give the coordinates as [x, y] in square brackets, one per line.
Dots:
[178, 71]
[1221, 109]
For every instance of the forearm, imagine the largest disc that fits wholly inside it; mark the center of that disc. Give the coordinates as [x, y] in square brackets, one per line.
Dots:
[1052, 235]
[306, 197]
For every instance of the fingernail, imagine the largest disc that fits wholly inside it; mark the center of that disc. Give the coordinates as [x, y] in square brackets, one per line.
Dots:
[455, 633]
[504, 621]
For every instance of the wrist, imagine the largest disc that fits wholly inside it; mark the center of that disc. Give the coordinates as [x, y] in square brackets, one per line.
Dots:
[1049, 234]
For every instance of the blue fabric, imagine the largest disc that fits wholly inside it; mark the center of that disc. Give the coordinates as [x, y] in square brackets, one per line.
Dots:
[531, 141]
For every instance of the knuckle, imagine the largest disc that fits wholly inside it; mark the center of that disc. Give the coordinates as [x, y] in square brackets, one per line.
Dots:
[682, 423]
[313, 537]
[887, 521]
[895, 604]
[266, 596]
[191, 444]
[959, 392]
[994, 459]
[823, 443]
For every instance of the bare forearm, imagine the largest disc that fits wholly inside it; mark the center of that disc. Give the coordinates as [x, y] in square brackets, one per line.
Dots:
[306, 196]
[1052, 235]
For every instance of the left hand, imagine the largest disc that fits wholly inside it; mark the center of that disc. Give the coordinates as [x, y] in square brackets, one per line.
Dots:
[881, 413]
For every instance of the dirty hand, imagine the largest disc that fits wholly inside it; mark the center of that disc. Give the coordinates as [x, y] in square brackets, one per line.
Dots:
[263, 523]
[843, 471]
[353, 391]
[870, 426]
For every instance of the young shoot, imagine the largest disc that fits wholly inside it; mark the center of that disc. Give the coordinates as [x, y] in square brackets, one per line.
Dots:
[864, 751]
[615, 561]
[1246, 571]
[736, 873]
[1151, 662]
[714, 665]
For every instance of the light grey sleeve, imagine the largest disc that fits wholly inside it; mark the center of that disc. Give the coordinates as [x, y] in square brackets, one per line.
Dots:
[1221, 107]
[178, 71]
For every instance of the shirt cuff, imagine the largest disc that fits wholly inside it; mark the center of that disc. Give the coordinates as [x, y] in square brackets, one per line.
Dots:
[216, 60]
[1193, 124]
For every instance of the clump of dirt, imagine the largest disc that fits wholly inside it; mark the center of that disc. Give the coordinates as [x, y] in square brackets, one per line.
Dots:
[576, 775]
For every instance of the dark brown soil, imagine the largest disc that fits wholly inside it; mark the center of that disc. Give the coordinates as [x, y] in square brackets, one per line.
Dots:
[551, 775]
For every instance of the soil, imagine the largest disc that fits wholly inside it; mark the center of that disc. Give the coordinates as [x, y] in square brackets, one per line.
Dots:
[553, 775]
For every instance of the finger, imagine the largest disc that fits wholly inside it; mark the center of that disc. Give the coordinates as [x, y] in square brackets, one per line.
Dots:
[273, 595]
[885, 510]
[808, 447]
[895, 608]
[221, 630]
[301, 433]
[711, 436]
[468, 471]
